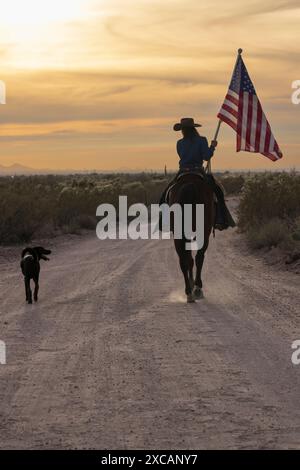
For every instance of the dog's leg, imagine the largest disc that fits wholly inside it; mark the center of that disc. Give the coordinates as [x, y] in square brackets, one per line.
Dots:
[36, 289]
[26, 288]
[29, 293]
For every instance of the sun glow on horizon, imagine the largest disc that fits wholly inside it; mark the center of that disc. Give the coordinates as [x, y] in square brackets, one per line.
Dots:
[37, 31]
[36, 12]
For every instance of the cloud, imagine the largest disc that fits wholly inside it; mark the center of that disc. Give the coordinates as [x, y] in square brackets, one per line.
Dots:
[238, 12]
[55, 96]
[119, 77]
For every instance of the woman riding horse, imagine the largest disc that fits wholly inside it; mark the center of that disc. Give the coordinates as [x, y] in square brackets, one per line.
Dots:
[192, 186]
[193, 150]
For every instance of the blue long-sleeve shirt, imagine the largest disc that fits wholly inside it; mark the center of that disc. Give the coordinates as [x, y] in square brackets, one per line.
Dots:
[192, 152]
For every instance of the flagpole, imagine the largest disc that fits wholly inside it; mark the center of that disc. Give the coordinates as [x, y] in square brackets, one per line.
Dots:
[208, 166]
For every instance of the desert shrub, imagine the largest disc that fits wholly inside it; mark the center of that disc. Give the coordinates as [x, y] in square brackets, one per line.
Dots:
[269, 196]
[72, 227]
[296, 230]
[22, 213]
[86, 222]
[270, 234]
[154, 189]
[233, 184]
[269, 210]
[135, 192]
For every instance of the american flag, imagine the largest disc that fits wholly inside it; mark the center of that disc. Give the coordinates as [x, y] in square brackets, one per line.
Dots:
[243, 112]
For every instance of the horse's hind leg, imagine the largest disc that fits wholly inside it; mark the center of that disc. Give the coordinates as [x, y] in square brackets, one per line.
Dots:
[186, 264]
[189, 282]
[198, 293]
[191, 270]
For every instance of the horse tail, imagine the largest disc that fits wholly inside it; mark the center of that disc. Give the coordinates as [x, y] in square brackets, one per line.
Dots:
[188, 194]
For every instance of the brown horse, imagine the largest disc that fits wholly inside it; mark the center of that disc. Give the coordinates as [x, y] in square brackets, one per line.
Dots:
[192, 189]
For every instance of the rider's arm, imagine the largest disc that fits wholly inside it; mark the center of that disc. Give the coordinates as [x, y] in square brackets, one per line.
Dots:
[207, 152]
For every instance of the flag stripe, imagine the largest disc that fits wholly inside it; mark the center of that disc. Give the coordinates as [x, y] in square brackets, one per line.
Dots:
[272, 143]
[233, 94]
[249, 120]
[244, 122]
[228, 121]
[263, 134]
[231, 105]
[230, 110]
[258, 126]
[239, 125]
[233, 99]
[253, 123]
[268, 139]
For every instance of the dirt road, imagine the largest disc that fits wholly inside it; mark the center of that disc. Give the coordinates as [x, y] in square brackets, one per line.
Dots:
[113, 357]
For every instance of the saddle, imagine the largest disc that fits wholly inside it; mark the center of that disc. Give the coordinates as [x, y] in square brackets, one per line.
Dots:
[196, 171]
[223, 218]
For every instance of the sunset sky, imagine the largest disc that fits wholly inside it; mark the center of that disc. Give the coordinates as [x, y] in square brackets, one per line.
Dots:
[98, 84]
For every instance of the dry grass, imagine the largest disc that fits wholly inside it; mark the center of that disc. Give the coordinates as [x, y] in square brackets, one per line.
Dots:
[269, 211]
[47, 205]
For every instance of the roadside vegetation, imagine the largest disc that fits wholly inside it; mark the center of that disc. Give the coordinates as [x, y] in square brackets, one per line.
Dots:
[269, 212]
[44, 206]
[34, 207]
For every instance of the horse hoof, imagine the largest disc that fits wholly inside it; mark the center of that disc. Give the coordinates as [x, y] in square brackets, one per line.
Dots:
[198, 293]
[190, 299]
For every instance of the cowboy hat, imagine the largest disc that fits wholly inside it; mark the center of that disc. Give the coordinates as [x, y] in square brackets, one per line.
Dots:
[185, 122]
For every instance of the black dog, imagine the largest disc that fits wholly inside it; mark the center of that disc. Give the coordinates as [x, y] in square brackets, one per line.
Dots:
[30, 265]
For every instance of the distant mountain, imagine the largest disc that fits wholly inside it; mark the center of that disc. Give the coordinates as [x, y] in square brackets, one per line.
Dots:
[17, 169]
